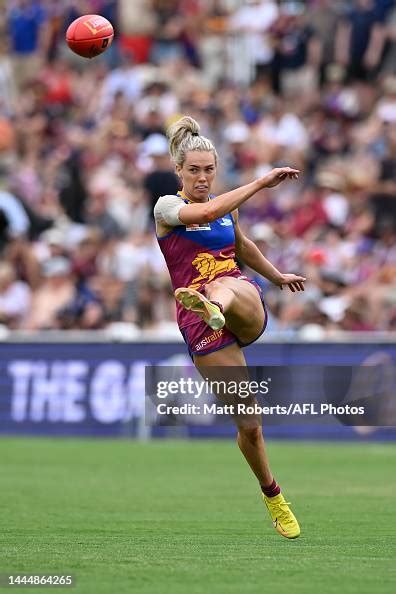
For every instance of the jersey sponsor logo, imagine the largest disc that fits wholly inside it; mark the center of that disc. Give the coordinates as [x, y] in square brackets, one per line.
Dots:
[198, 227]
[208, 340]
[225, 222]
[209, 267]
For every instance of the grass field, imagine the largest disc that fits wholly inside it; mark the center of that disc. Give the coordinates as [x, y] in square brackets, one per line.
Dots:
[186, 517]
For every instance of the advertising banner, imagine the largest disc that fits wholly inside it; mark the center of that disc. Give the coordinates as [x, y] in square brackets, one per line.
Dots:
[98, 389]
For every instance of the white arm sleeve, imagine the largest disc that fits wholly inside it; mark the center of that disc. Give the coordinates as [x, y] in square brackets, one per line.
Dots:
[166, 210]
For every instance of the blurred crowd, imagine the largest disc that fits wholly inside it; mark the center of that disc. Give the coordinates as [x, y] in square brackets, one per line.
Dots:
[83, 157]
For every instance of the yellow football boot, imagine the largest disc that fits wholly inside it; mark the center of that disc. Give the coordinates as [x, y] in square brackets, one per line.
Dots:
[205, 309]
[283, 519]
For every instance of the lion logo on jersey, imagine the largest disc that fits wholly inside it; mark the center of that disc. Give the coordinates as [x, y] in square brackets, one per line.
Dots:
[209, 267]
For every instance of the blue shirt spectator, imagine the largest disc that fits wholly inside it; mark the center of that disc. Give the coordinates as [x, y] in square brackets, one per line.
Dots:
[362, 20]
[24, 23]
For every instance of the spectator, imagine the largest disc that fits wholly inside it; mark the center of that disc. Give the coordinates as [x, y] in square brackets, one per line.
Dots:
[161, 179]
[98, 213]
[239, 157]
[70, 183]
[85, 253]
[124, 80]
[15, 297]
[388, 66]
[212, 46]
[251, 24]
[284, 131]
[26, 24]
[298, 53]
[168, 32]
[8, 90]
[83, 312]
[16, 221]
[361, 38]
[333, 199]
[384, 192]
[52, 244]
[324, 16]
[158, 97]
[54, 294]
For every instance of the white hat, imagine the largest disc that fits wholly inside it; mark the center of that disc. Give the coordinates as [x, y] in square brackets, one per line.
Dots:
[155, 145]
[56, 267]
[293, 7]
[387, 112]
[263, 232]
[53, 237]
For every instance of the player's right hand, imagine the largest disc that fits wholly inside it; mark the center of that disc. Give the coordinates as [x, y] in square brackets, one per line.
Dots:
[277, 175]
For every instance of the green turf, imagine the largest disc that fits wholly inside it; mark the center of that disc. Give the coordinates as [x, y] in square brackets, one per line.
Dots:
[186, 517]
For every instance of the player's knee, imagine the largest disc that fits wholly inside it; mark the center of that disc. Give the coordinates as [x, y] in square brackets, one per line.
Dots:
[251, 431]
[220, 284]
[214, 285]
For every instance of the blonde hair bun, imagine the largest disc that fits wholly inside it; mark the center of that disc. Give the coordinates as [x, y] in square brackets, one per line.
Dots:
[184, 136]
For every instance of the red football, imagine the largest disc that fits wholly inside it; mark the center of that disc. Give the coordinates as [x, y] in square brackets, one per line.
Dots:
[90, 35]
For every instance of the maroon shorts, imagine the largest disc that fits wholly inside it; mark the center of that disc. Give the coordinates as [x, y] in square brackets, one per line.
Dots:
[202, 340]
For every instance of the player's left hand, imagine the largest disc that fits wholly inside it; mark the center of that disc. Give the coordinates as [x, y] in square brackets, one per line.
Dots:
[294, 282]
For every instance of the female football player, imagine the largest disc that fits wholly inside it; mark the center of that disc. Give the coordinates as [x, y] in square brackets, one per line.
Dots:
[219, 310]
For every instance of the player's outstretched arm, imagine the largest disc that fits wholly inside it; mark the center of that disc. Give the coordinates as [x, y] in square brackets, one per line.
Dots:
[249, 253]
[225, 203]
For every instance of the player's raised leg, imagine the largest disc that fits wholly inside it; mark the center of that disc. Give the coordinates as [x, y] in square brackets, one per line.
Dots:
[229, 301]
[241, 305]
